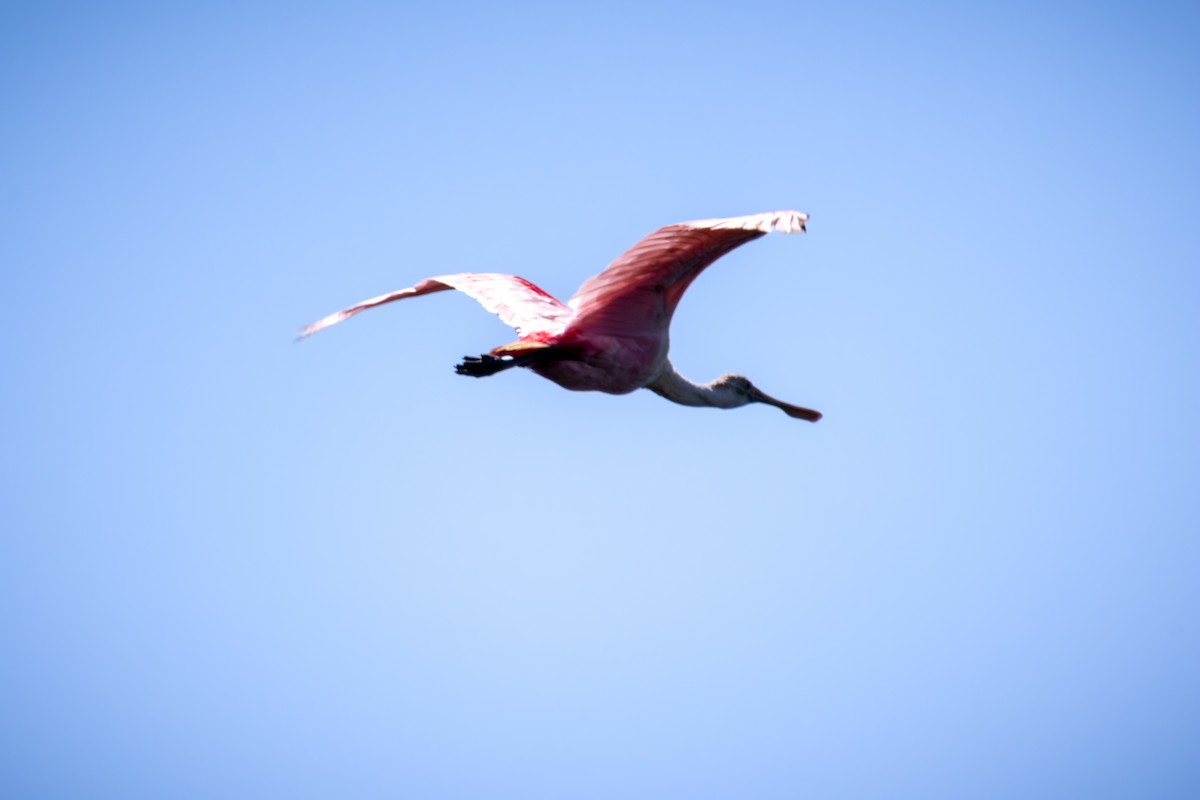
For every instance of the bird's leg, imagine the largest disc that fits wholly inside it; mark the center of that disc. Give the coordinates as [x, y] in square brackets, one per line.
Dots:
[485, 365]
[517, 354]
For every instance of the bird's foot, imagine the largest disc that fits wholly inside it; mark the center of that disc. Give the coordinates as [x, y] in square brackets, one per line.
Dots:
[484, 365]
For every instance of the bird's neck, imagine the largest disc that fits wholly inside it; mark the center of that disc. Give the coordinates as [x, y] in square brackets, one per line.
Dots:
[678, 389]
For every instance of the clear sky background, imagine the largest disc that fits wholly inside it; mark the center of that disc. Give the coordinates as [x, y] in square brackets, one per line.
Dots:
[234, 566]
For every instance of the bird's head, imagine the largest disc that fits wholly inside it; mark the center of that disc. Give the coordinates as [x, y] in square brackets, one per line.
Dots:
[740, 391]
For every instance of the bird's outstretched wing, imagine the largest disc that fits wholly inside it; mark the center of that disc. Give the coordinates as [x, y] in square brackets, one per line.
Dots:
[515, 300]
[649, 279]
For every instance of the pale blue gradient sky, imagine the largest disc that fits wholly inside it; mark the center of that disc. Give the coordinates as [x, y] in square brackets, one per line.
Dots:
[236, 567]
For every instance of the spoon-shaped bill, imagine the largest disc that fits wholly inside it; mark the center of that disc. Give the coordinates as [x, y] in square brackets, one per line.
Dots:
[798, 412]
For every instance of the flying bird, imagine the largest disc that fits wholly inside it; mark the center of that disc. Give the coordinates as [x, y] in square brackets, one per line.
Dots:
[612, 336]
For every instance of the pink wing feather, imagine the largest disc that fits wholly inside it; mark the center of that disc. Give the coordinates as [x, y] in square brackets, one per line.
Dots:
[515, 300]
[642, 287]
[636, 294]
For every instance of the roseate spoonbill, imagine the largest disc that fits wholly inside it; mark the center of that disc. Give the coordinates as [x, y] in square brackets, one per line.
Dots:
[612, 336]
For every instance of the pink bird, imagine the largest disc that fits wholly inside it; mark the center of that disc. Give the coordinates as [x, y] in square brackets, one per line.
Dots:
[612, 336]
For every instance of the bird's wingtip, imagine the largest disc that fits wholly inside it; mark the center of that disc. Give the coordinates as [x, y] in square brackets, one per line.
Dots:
[320, 325]
[778, 221]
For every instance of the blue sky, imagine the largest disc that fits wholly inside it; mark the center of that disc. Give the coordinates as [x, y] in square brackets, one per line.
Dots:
[232, 566]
